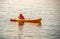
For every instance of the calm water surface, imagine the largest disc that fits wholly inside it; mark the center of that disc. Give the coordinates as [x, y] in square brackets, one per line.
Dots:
[48, 10]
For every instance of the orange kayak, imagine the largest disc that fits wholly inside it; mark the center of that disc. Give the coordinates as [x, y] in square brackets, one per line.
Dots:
[38, 20]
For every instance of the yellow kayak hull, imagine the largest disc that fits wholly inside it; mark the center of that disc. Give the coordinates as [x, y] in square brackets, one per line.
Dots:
[26, 20]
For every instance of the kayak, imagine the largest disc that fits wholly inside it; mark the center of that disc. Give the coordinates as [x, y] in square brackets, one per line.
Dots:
[38, 20]
[21, 20]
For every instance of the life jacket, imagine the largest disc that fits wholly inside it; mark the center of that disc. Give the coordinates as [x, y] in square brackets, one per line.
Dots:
[21, 16]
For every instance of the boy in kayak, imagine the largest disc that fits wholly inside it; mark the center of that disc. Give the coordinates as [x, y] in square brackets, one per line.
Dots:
[21, 16]
[20, 23]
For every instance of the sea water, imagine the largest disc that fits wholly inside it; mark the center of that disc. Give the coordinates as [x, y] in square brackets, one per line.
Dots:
[48, 10]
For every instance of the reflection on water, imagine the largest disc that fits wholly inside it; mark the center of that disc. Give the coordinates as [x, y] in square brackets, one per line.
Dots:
[48, 10]
[22, 34]
[20, 26]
